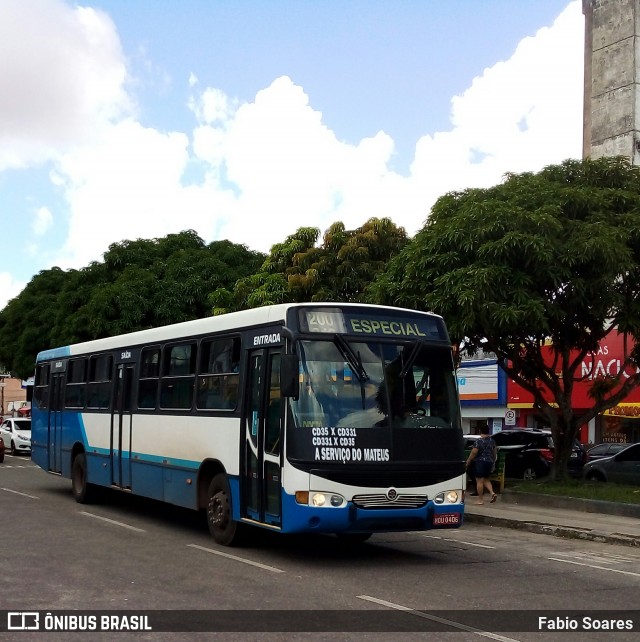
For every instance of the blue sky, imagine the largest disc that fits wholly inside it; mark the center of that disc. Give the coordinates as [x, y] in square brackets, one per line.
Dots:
[244, 120]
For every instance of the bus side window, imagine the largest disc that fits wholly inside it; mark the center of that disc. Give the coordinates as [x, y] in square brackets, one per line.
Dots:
[178, 376]
[272, 443]
[176, 393]
[149, 376]
[219, 378]
[272, 437]
[41, 389]
[100, 378]
[74, 395]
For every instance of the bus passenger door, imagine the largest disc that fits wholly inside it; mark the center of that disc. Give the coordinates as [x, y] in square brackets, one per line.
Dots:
[121, 424]
[56, 405]
[262, 441]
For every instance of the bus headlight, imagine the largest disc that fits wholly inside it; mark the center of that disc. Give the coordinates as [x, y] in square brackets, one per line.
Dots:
[448, 497]
[318, 499]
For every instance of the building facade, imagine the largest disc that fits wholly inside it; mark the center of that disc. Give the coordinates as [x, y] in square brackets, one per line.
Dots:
[482, 385]
[621, 424]
[12, 392]
[611, 79]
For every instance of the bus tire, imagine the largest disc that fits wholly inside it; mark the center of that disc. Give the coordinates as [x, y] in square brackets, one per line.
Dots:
[224, 529]
[83, 492]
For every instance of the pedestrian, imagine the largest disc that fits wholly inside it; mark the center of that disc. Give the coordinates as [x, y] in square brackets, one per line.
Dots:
[483, 455]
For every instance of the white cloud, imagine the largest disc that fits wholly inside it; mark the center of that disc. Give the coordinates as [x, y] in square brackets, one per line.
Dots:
[288, 169]
[254, 172]
[212, 106]
[519, 115]
[65, 78]
[127, 186]
[10, 287]
[42, 221]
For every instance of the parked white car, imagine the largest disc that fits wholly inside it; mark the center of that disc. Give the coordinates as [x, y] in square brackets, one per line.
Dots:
[16, 434]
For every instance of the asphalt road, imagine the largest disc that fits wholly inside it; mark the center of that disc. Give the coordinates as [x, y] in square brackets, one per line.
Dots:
[138, 556]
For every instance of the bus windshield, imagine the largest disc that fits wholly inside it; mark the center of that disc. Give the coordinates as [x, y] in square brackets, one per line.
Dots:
[375, 384]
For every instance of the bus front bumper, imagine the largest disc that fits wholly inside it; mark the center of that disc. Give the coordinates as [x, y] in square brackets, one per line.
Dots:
[300, 518]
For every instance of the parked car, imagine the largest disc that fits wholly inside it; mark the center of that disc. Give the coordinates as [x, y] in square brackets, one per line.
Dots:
[529, 452]
[16, 434]
[622, 468]
[1, 450]
[25, 411]
[604, 450]
[14, 408]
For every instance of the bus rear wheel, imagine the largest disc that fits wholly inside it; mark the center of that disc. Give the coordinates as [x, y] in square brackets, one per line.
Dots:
[224, 529]
[83, 492]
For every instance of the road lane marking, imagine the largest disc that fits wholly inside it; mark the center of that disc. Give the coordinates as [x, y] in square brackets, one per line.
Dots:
[600, 558]
[5, 466]
[17, 492]
[435, 618]
[273, 569]
[113, 521]
[457, 541]
[601, 568]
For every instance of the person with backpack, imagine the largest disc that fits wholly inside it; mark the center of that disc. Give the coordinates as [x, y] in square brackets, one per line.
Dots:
[483, 455]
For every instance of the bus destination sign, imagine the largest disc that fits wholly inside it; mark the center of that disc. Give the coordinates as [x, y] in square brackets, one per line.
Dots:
[334, 321]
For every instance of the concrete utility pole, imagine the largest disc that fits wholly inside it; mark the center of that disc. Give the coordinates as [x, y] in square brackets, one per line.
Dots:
[611, 79]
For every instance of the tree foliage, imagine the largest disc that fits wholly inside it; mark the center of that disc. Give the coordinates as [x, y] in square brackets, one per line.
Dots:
[27, 321]
[140, 284]
[545, 258]
[339, 269]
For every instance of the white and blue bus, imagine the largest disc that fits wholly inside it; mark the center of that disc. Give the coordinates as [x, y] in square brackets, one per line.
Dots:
[317, 418]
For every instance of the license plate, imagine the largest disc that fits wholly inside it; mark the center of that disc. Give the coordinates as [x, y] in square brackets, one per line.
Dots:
[446, 519]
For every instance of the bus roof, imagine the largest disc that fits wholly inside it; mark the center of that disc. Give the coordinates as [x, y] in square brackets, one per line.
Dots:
[220, 323]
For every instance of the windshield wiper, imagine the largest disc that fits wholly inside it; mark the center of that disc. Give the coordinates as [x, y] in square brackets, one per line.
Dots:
[355, 362]
[417, 346]
[352, 357]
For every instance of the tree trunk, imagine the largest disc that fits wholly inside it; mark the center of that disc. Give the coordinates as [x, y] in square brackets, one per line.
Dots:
[564, 434]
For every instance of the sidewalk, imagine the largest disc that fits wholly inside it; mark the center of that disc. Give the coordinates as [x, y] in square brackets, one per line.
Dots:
[562, 517]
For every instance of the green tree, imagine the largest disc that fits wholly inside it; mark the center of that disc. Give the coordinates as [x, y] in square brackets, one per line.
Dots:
[140, 284]
[346, 262]
[551, 257]
[26, 321]
[339, 269]
[152, 282]
[270, 284]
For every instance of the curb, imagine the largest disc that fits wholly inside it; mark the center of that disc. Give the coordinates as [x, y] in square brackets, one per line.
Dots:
[571, 503]
[565, 532]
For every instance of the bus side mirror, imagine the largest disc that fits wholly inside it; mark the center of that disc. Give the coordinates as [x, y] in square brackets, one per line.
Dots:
[289, 375]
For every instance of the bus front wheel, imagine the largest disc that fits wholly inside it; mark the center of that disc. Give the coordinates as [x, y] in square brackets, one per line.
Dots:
[83, 492]
[222, 526]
